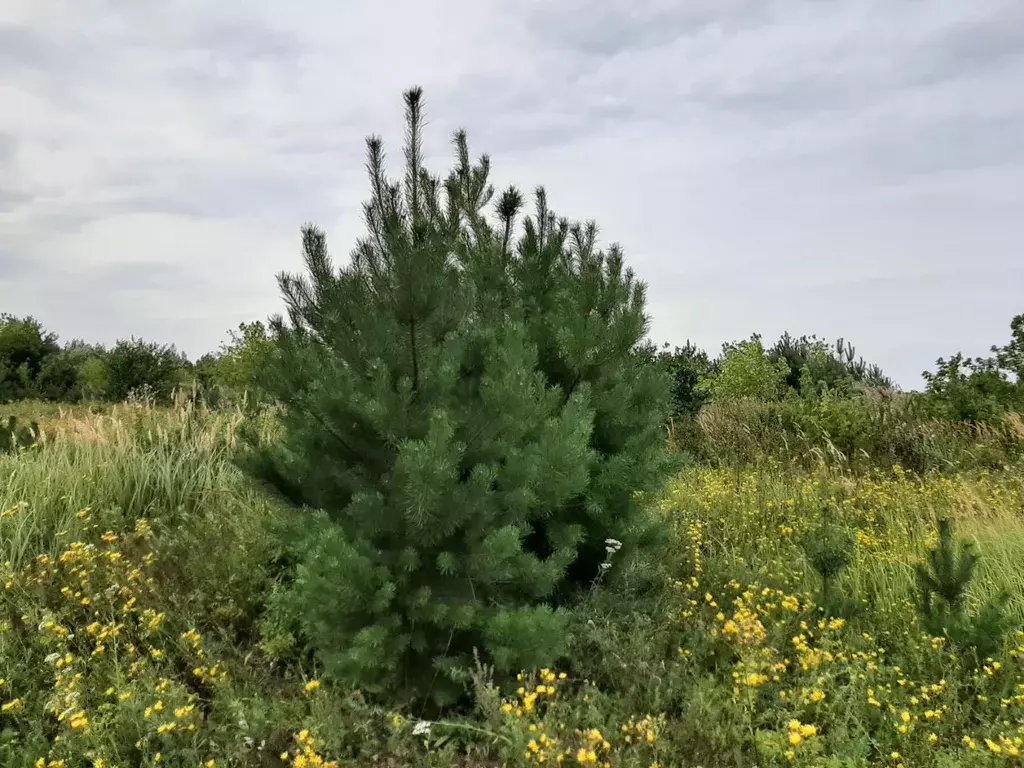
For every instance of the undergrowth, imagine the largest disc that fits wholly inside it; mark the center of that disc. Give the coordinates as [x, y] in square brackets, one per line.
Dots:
[138, 568]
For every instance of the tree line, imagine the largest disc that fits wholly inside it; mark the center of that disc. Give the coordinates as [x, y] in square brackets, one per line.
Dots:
[34, 365]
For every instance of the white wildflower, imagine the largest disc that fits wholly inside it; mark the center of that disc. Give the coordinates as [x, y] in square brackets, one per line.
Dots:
[422, 728]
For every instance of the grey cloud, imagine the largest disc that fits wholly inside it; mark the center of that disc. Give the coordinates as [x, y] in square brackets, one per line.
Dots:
[47, 274]
[512, 122]
[961, 144]
[815, 63]
[13, 266]
[220, 56]
[603, 31]
[978, 43]
[141, 276]
[61, 220]
[8, 146]
[243, 39]
[26, 49]
[596, 35]
[201, 192]
[741, 150]
[12, 199]
[54, 64]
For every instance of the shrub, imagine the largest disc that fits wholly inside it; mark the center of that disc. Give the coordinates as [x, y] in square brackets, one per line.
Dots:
[240, 361]
[688, 366]
[58, 379]
[746, 370]
[135, 365]
[811, 361]
[205, 373]
[474, 416]
[873, 428]
[1010, 357]
[94, 376]
[829, 550]
[979, 390]
[24, 347]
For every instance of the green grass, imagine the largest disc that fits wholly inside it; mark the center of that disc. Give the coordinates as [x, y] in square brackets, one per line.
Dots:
[130, 464]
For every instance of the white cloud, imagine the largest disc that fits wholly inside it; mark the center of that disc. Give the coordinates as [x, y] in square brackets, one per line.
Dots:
[835, 168]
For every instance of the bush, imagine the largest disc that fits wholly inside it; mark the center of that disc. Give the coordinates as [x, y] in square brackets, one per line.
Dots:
[979, 390]
[205, 374]
[474, 416]
[746, 370]
[835, 368]
[136, 366]
[240, 361]
[94, 376]
[688, 366]
[24, 348]
[58, 379]
[943, 584]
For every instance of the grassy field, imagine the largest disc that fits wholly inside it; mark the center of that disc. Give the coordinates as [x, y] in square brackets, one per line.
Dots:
[138, 563]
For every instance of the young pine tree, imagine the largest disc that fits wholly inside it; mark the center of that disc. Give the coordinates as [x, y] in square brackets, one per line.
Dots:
[466, 408]
[943, 582]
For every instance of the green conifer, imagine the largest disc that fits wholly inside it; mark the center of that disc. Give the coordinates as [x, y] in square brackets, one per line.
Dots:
[943, 583]
[470, 410]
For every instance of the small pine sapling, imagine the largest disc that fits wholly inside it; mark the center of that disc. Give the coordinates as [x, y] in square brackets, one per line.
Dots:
[829, 550]
[943, 583]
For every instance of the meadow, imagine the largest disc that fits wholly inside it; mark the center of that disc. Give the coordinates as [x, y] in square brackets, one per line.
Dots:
[458, 510]
[139, 565]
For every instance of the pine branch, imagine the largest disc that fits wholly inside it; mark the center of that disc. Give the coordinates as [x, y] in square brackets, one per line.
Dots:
[415, 355]
[413, 151]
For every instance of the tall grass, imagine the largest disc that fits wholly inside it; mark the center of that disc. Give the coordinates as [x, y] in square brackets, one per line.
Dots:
[133, 462]
[694, 671]
[756, 518]
[856, 433]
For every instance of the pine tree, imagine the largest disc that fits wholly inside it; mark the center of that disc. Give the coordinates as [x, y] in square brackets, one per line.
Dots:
[468, 411]
[829, 550]
[943, 582]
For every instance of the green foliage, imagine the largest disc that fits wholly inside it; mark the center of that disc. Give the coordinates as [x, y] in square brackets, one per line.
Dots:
[94, 377]
[968, 389]
[943, 585]
[1011, 356]
[74, 373]
[847, 412]
[143, 369]
[853, 427]
[205, 374]
[872, 429]
[979, 390]
[474, 415]
[829, 550]
[24, 348]
[14, 438]
[746, 371]
[688, 366]
[240, 361]
[814, 366]
[712, 669]
[58, 379]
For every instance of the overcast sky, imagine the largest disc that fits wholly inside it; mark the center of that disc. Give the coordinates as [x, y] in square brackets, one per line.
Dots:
[843, 168]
